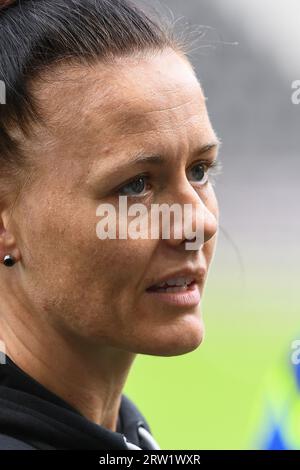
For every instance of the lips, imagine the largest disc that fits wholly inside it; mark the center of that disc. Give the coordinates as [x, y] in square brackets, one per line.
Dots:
[180, 284]
[180, 279]
[184, 295]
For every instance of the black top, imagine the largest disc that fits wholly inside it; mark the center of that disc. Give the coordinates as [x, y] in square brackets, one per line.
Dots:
[32, 417]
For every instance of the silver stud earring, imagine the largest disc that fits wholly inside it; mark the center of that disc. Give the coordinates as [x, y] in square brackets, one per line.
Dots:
[9, 260]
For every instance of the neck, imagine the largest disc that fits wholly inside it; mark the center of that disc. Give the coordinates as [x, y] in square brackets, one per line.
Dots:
[90, 378]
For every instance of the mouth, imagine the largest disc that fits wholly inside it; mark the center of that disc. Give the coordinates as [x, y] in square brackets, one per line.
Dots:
[173, 285]
[180, 292]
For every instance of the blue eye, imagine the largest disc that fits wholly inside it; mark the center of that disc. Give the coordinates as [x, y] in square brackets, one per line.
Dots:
[134, 188]
[199, 173]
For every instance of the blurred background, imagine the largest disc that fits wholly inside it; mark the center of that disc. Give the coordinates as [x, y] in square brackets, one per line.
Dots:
[239, 389]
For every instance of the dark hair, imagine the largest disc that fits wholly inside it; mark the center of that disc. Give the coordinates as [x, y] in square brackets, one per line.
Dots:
[36, 34]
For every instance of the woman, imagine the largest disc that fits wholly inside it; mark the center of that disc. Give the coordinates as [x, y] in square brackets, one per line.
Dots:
[101, 102]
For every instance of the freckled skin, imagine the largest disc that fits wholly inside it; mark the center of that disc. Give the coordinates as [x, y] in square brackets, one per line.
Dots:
[73, 304]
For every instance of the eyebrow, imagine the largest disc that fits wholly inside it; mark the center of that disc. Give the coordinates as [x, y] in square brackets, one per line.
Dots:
[159, 159]
[151, 159]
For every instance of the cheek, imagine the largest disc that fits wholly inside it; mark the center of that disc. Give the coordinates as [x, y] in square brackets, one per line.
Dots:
[78, 273]
[107, 270]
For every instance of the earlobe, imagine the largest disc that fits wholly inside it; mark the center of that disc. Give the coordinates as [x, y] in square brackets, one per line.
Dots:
[9, 253]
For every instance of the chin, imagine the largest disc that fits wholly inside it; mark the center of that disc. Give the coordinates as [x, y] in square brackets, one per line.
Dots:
[174, 340]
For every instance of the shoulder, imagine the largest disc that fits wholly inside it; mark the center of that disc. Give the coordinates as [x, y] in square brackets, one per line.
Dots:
[11, 443]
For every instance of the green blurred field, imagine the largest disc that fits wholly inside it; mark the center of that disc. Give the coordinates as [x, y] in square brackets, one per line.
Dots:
[210, 398]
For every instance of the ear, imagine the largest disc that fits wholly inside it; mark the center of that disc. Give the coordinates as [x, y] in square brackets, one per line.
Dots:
[8, 245]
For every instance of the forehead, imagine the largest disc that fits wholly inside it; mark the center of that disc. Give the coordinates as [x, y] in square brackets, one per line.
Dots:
[154, 93]
[136, 101]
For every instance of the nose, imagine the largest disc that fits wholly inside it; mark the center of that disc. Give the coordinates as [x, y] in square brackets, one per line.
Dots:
[198, 223]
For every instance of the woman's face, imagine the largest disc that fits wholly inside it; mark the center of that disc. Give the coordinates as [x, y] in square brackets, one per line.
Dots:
[98, 119]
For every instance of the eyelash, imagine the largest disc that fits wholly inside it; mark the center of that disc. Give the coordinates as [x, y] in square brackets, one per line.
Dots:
[214, 168]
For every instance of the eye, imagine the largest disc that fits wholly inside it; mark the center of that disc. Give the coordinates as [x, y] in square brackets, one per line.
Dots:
[199, 173]
[135, 187]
